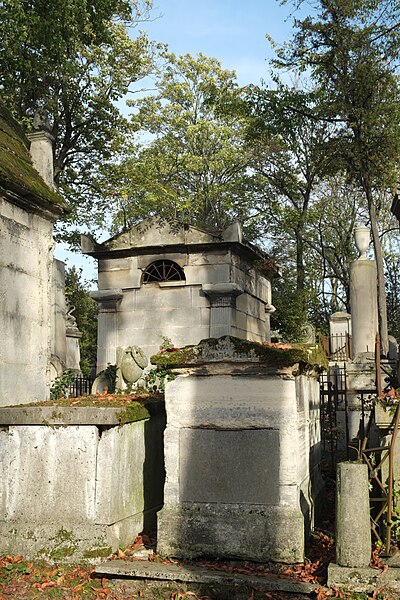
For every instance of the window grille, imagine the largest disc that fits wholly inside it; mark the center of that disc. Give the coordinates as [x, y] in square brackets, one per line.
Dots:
[163, 270]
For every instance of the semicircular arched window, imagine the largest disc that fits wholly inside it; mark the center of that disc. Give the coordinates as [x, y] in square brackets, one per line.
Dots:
[163, 270]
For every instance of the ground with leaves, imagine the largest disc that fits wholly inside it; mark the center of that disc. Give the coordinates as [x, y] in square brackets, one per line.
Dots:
[20, 579]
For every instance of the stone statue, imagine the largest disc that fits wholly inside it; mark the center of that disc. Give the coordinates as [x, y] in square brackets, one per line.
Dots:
[131, 361]
[41, 121]
[70, 318]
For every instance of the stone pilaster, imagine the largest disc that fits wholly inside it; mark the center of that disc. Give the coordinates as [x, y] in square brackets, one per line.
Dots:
[222, 298]
[107, 341]
[41, 150]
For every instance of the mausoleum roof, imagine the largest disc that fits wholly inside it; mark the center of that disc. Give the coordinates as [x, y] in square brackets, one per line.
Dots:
[154, 236]
[19, 180]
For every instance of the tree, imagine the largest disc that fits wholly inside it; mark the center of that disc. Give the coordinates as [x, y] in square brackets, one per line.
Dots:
[350, 48]
[337, 208]
[288, 146]
[73, 60]
[193, 163]
[85, 313]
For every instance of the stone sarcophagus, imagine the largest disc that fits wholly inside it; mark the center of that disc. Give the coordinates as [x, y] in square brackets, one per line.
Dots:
[242, 451]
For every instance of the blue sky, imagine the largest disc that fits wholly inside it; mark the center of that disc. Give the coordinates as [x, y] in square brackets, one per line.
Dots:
[231, 30]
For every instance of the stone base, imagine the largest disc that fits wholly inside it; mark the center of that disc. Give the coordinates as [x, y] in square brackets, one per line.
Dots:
[70, 543]
[248, 532]
[363, 580]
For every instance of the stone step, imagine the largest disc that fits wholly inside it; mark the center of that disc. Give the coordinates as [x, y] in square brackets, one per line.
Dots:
[147, 570]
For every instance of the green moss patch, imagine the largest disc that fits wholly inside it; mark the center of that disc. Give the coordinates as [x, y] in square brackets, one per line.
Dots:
[16, 169]
[102, 552]
[99, 400]
[133, 412]
[230, 348]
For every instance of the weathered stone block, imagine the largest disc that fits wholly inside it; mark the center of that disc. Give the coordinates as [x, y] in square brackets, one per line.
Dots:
[251, 532]
[353, 532]
[202, 274]
[72, 492]
[232, 467]
[230, 402]
[241, 458]
[120, 491]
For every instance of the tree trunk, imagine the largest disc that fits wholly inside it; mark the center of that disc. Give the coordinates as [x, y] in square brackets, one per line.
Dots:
[300, 270]
[382, 308]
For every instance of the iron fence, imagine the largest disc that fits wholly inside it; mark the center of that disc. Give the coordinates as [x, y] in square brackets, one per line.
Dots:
[337, 347]
[81, 386]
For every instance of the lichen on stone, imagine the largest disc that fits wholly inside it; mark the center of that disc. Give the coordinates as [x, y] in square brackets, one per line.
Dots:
[232, 349]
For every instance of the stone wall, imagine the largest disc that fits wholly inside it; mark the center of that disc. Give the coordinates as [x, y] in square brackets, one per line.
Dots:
[28, 209]
[242, 456]
[26, 246]
[58, 347]
[179, 310]
[80, 485]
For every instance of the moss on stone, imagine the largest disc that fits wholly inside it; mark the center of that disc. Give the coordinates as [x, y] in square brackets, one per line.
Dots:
[17, 172]
[269, 355]
[62, 553]
[136, 411]
[63, 535]
[101, 552]
[183, 356]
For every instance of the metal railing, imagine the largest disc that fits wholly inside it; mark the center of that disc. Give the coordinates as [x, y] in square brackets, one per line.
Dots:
[337, 347]
[81, 386]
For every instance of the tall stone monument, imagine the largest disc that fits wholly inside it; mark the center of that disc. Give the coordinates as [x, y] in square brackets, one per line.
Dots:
[363, 297]
[361, 371]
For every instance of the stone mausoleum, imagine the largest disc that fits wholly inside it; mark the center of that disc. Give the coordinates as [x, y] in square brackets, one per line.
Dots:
[32, 319]
[173, 280]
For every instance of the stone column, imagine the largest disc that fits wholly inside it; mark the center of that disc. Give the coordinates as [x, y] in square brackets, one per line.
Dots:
[353, 531]
[364, 301]
[107, 326]
[222, 298]
[41, 150]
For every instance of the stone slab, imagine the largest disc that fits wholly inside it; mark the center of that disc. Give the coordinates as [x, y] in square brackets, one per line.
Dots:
[60, 415]
[229, 402]
[243, 531]
[117, 471]
[50, 474]
[194, 574]
[239, 466]
[363, 580]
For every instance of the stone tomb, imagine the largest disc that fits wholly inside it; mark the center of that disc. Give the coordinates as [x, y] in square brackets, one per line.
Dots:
[181, 282]
[76, 483]
[242, 452]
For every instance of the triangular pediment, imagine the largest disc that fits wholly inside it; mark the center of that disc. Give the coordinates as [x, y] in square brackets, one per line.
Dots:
[154, 233]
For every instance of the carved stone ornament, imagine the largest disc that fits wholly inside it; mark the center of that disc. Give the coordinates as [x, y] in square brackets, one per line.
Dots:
[131, 362]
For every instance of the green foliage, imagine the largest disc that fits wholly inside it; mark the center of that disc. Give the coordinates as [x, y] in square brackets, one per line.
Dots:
[111, 373]
[85, 312]
[193, 163]
[351, 50]
[60, 386]
[166, 343]
[73, 60]
[156, 378]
